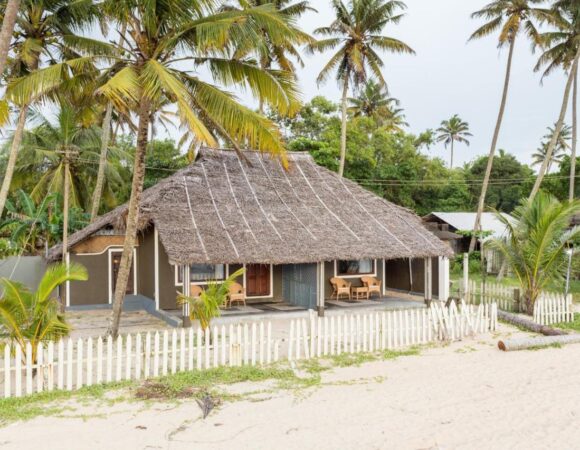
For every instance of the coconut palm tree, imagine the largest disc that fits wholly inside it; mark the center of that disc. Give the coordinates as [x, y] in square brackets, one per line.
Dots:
[562, 147]
[561, 47]
[45, 30]
[10, 13]
[374, 101]
[35, 317]
[536, 242]
[510, 18]
[357, 33]
[147, 69]
[44, 150]
[280, 53]
[451, 131]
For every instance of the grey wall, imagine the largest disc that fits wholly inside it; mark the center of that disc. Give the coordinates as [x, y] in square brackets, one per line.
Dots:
[29, 270]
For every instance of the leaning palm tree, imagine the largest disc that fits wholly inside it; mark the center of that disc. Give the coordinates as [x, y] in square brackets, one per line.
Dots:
[451, 131]
[510, 17]
[35, 317]
[561, 47]
[147, 69]
[44, 28]
[357, 32]
[536, 242]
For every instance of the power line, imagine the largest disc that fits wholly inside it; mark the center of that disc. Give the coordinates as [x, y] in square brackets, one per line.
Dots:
[398, 182]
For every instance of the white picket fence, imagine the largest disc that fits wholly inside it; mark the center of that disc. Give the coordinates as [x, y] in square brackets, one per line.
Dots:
[553, 308]
[550, 308]
[504, 296]
[71, 365]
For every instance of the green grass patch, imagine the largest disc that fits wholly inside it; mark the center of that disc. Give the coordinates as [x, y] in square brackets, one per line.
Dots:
[572, 326]
[50, 403]
[192, 384]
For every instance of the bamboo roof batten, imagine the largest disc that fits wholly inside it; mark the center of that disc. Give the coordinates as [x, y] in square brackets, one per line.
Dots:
[219, 210]
[256, 198]
[282, 200]
[298, 197]
[362, 222]
[240, 210]
[378, 222]
[324, 204]
[193, 219]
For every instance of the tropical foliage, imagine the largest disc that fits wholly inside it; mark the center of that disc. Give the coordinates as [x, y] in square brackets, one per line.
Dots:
[35, 317]
[207, 306]
[536, 243]
[451, 131]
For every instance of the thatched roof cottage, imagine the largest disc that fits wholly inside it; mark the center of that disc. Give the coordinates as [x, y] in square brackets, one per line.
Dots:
[292, 229]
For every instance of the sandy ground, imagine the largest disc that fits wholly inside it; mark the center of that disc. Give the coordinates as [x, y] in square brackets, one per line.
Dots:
[468, 395]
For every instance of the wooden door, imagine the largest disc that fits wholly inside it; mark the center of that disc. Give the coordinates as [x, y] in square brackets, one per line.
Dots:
[258, 280]
[115, 264]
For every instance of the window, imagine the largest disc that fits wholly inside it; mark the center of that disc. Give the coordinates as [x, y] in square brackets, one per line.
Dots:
[204, 272]
[355, 267]
[200, 273]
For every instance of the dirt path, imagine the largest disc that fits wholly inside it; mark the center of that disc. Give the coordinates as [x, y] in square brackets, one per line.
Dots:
[465, 396]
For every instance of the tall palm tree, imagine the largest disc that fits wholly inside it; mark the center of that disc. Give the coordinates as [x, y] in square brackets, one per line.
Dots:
[561, 46]
[357, 32]
[10, 13]
[536, 242]
[562, 147]
[510, 17]
[374, 101]
[147, 69]
[451, 131]
[44, 29]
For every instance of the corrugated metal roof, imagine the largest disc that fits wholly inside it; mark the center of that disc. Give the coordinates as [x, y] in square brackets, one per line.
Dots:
[465, 221]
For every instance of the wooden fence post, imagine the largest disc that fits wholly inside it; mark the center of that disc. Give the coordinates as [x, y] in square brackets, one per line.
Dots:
[517, 300]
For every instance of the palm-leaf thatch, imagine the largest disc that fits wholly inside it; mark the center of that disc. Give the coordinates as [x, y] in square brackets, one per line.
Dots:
[222, 210]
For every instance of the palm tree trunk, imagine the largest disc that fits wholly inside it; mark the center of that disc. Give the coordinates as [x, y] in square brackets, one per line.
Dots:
[558, 129]
[105, 139]
[11, 165]
[343, 128]
[574, 136]
[451, 162]
[65, 207]
[7, 30]
[491, 156]
[132, 217]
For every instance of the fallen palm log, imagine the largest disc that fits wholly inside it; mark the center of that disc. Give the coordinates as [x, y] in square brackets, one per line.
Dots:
[529, 324]
[512, 345]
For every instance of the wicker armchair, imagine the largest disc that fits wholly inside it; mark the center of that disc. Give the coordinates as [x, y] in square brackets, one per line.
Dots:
[372, 284]
[340, 287]
[195, 291]
[237, 294]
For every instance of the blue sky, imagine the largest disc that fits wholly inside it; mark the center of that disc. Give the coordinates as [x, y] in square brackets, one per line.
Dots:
[449, 75]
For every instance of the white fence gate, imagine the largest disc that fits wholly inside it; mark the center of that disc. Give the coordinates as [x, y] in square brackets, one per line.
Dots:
[72, 364]
[553, 308]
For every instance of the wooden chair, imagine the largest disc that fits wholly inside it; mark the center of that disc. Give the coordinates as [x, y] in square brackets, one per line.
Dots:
[195, 291]
[340, 287]
[237, 294]
[372, 284]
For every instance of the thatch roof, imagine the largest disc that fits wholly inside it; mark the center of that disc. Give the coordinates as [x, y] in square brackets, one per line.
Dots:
[222, 210]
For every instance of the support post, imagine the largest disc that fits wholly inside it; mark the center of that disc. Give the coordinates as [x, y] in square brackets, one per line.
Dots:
[465, 283]
[320, 296]
[428, 281]
[517, 300]
[186, 291]
[443, 278]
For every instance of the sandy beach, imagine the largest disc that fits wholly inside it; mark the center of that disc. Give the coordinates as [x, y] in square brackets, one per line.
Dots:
[467, 395]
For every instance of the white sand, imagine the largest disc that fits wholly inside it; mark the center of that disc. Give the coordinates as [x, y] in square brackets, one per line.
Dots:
[465, 396]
